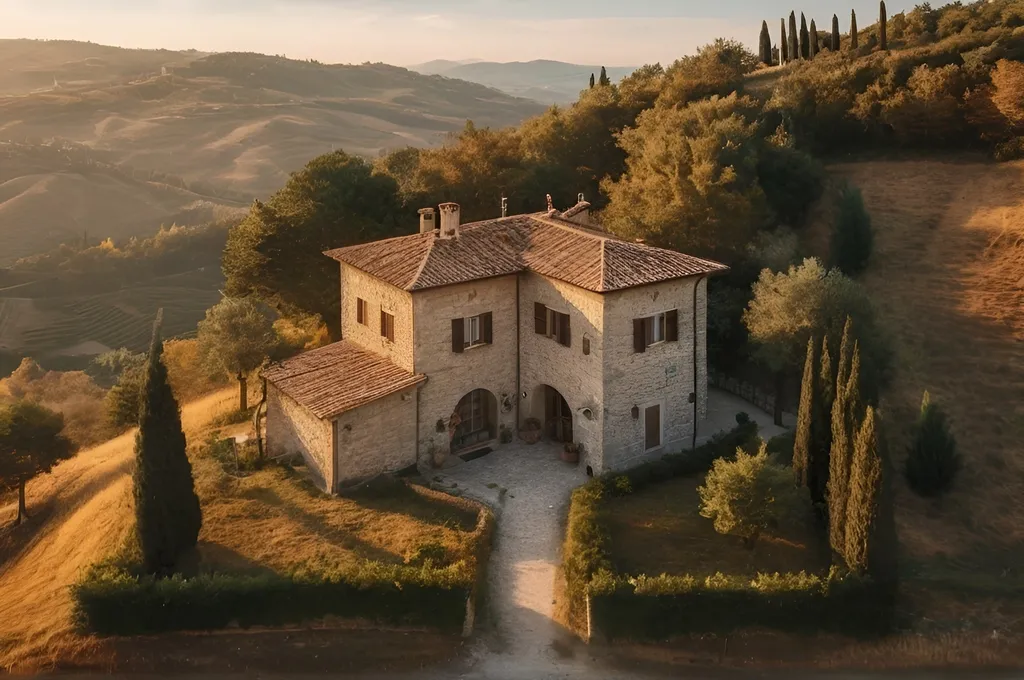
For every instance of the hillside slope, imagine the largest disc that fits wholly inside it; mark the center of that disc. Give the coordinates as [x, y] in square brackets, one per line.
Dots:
[947, 276]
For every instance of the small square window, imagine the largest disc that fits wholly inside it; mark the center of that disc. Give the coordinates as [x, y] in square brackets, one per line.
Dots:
[586, 346]
[387, 326]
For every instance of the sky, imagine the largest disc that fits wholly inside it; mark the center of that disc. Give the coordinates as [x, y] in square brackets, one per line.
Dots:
[404, 32]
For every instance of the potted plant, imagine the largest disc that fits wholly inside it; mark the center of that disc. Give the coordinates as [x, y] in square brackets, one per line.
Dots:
[571, 452]
[530, 433]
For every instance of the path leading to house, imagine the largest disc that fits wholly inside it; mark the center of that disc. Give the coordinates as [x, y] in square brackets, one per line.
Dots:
[79, 515]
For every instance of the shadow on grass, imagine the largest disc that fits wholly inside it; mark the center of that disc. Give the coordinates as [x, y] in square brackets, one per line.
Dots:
[396, 496]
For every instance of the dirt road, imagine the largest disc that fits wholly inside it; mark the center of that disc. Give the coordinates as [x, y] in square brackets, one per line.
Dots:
[80, 513]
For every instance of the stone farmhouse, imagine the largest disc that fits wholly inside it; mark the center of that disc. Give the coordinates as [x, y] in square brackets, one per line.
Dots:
[463, 336]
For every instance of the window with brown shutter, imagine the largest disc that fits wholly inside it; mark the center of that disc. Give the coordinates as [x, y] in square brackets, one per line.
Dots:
[672, 326]
[458, 333]
[540, 319]
[564, 334]
[639, 336]
[485, 321]
[387, 326]
[361, 311]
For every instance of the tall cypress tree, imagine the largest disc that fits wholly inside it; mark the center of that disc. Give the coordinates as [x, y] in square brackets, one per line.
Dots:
[604, 80]
[167, 512]
[803, 438]
[853, 30]
[805, 38]
[783, 44]
[794, 43]
[835, 34]
[591, 81]
[814, 40]
[821, 430]
[840, 453]
[765, 44]
[864, 495]
[882, 18]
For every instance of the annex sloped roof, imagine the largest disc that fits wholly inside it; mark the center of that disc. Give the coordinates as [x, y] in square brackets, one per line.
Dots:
[543, 243]
[339, 377]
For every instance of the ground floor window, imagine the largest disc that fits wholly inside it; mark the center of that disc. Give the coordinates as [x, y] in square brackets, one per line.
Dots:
[652, 427]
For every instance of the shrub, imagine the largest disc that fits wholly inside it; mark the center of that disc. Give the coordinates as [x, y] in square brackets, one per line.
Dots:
[792, 181]
[780, 448]
[933, 460]
[852, 238]
[748, 495]
[742, 418]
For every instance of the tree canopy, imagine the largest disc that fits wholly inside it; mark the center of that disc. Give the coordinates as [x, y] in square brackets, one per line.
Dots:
[31, 443]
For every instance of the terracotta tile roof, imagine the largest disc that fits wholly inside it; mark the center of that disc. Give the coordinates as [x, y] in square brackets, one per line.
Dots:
[544, 243]
[338, 378]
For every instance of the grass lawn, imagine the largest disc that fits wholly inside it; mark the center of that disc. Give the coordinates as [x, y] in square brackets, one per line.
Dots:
[658, 530]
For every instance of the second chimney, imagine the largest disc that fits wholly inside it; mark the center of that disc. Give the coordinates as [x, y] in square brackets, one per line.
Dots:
[449, 220]
[427, 221]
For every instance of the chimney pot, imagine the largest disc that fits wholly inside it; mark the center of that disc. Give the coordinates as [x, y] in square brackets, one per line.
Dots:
[449, 220]
[427, 221]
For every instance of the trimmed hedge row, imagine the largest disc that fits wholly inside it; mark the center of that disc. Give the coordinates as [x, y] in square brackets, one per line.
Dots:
[585, 549]
[112, 599]
[659, 607]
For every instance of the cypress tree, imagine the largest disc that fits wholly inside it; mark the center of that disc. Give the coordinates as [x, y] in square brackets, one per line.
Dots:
[765, 44]
[852, 235]
[840, 453]
[794, 44]
[805, 38]
[603, 80]
[814, 40]
[167, 512]
[803, 437]
[822, 425]
[835, 34]
[853, 30]
[864, 495]
[783, 44]
[591, 81]
[882, 18]
[932, 461]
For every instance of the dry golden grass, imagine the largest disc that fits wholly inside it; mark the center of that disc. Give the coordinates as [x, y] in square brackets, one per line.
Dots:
[947, 276]
[658, 530]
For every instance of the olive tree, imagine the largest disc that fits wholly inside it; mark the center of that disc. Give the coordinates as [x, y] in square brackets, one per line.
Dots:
[31, 443]
[236, 336]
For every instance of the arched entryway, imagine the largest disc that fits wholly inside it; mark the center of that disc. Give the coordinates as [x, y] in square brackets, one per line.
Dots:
[474, 421]
[551, 408]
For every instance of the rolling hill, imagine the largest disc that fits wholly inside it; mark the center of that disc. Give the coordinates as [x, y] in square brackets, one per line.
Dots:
[551, 82]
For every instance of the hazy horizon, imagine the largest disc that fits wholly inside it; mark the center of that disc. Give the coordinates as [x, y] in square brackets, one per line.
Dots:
[405, 32]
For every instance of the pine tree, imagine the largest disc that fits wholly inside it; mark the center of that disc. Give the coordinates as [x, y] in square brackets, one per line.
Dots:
[882, 39]
[864, 492]
[765, 44]
[814, 40]
[932, 461]
[805, 38]
[853, 30]
[783, 44]
[835, 34]
[803, 438]
[167, 512]
[603, 80]
[794, 42]
[840, 453]
[591, 81]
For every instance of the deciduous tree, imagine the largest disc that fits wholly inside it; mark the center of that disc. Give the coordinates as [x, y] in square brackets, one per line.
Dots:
[167, 512]
[31, 443]
[236, 336]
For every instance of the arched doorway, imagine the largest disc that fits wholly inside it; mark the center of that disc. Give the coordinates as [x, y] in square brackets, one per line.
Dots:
[551, 408]
[474, 421]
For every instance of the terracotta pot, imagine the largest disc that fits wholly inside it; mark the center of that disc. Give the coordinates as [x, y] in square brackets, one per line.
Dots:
[530, 436]
[571, 456]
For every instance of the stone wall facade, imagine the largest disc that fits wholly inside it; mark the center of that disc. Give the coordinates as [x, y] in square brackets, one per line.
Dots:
[450, 375]
[292, 429]
[663, 374]
[379, 296]
[575, 375]
[377, 437]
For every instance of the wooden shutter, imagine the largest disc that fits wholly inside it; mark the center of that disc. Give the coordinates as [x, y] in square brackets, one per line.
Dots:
[383, 324]
[540, 318]
[458, 335]
[564, 334]
[672, 325]
[391, 328]
[359, 311]
[652, 427]
[485, 321]
[639, 339]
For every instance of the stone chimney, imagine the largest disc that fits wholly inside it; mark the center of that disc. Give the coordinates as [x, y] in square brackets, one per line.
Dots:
[427, 221]
[579, 213]
[449, 220]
